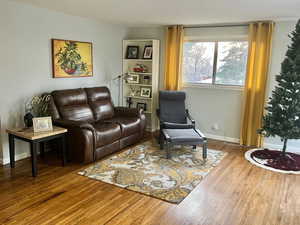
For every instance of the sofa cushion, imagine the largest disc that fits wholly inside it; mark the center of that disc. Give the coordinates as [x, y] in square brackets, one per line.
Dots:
[106, 133]
[129, 125]
[100, 101]
[72, 104]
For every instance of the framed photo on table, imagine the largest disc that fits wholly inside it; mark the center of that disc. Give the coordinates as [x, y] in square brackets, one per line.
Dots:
[41, 124]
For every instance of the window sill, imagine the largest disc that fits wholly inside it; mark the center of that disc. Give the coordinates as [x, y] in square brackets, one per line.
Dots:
[214, 86]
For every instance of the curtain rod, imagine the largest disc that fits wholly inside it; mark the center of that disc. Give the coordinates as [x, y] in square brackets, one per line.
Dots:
[216, 25]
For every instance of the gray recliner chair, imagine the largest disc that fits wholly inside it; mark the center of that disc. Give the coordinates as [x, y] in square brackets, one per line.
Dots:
[176, 124]
[172, 112]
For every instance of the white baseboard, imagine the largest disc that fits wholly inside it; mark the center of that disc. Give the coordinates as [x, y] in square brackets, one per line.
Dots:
[265, 145]
[279, 147]
[222, 138]
[20, 156]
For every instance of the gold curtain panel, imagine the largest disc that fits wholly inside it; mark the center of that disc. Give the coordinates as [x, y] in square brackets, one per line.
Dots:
[173, 62]
[260, 40]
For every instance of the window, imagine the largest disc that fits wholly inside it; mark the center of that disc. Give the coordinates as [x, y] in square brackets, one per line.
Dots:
[218, 62]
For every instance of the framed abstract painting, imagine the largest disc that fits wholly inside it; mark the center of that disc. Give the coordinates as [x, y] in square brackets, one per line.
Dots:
[72, 58]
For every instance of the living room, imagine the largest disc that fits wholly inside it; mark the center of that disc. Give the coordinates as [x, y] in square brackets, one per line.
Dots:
[146, 63]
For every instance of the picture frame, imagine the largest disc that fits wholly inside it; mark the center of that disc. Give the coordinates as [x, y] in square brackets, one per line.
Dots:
[146, 79]
[141, 105]
[133, 78]
[42, 124]
[147, 52]
[145, 92]
[132, 52]
[77, 64]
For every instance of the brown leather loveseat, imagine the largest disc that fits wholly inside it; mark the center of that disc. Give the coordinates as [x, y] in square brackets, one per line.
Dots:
[96, 128]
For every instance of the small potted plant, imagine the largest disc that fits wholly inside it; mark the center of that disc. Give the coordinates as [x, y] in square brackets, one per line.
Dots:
[38, 106]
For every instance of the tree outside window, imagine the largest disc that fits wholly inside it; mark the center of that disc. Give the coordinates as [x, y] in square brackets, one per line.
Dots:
[222, 63]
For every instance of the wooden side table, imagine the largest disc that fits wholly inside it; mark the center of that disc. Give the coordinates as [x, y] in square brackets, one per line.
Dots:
[35, 139]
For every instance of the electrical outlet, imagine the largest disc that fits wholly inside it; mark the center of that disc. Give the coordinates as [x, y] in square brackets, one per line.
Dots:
[215, 127]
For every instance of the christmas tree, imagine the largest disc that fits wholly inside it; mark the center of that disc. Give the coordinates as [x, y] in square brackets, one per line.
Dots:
[283, 109]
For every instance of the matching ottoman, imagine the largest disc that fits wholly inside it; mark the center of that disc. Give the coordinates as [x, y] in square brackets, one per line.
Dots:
[192, 137]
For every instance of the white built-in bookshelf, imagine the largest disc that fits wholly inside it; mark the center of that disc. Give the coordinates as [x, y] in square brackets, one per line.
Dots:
[140, 86]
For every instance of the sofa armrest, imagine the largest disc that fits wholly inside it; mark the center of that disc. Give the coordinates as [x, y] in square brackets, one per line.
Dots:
[73, 124]
[81, 139]
[129, 112]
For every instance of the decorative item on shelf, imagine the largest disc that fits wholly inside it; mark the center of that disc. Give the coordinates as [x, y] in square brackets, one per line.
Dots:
[134, 78]
[140, 68]
[132, 91]
[132, 52]
[145, 92]
[141, 105]
[147, 52]
[41, 124]
[138, 92]
[71, 58]
[129, 102]
[146, 79]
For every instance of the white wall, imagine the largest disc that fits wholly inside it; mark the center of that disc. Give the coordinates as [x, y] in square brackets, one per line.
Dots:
[223, 106]
[25, 59]
[220, 107]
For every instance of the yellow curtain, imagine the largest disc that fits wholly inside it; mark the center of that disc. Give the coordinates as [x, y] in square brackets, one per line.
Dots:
[173, 60]
[260, 39]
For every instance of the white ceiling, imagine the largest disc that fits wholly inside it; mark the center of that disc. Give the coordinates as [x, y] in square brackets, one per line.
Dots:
[164, 12]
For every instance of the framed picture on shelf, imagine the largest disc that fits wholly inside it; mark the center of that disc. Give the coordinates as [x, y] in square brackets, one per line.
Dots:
[132, 52]
[145, 92]
[133, 78]
[141, 105]
[146, 79]
[42, 124]
[147, 52]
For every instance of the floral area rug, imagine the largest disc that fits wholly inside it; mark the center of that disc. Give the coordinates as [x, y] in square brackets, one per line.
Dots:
[274, 160]
[145, 169]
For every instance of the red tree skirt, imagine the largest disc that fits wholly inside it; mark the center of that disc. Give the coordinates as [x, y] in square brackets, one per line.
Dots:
[274, 160]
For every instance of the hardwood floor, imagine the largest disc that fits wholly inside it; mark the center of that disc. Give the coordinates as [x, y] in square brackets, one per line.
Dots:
[234, 193]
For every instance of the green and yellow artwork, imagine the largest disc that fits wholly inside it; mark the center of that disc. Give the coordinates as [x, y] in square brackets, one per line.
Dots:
[71, 58]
